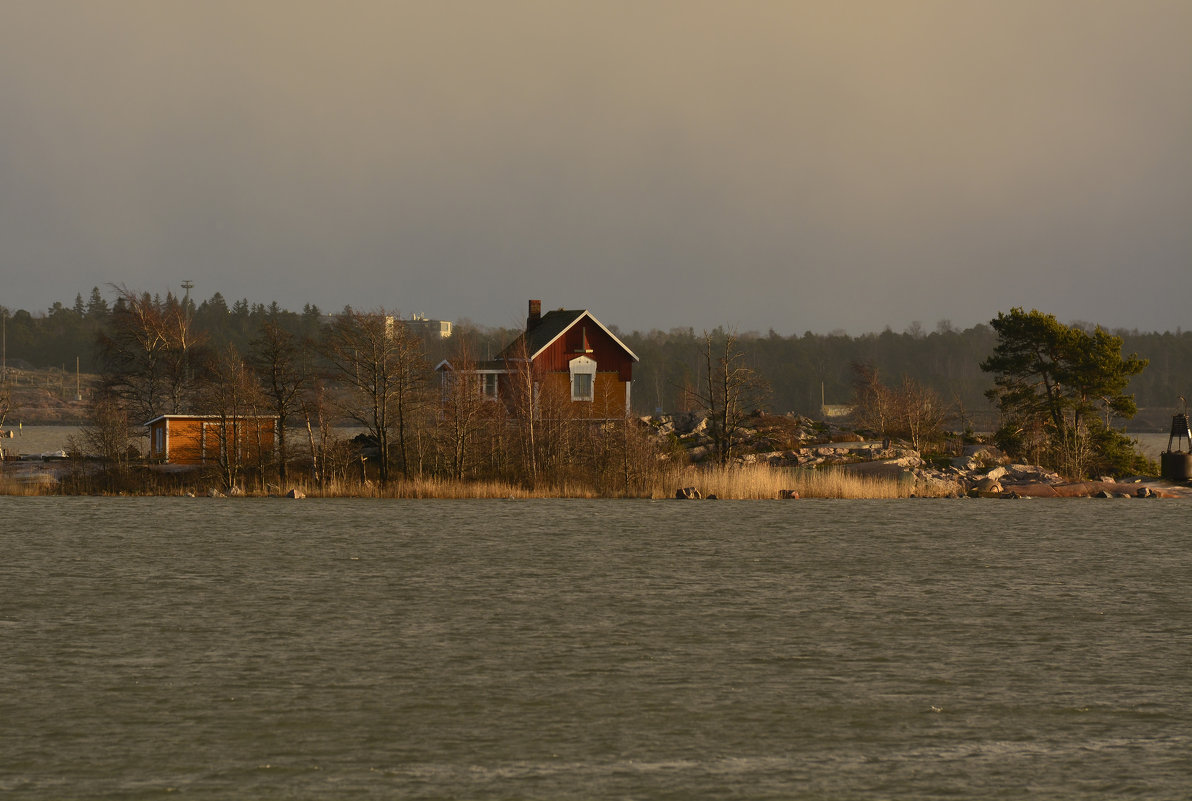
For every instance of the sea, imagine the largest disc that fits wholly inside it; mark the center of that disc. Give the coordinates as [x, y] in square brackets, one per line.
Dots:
[576, 649]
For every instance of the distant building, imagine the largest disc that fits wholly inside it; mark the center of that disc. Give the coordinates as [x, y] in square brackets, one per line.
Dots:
[832, 411]
[420, 325]
[569, 354]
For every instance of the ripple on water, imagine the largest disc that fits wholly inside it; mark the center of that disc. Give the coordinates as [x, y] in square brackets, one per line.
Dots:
[567, 649]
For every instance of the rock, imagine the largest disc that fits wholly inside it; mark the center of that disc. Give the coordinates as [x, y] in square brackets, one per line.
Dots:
[988, 485]
[698, 453]
[688, 494]
[790, 495]
[996, 473]
[236, 492]
[911, 459]
[214, 493]
[984, 452]
[712, 497]
[931, 484]
[1146, 492]
[296, 493]
[1022, 473]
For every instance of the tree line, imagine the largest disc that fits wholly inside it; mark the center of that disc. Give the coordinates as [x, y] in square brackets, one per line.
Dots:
[802, 371]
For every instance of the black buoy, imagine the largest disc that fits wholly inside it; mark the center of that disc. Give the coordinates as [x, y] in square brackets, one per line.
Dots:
[1175, 464]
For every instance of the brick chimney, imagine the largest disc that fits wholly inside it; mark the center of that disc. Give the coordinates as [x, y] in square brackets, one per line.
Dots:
[535, 315]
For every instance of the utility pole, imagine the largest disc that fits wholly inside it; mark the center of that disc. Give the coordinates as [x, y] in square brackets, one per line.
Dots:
[187, 285]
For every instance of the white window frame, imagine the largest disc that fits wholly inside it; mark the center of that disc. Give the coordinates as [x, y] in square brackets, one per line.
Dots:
[582, 366]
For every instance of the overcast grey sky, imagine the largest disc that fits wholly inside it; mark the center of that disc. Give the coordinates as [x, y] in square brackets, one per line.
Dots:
[789, 165]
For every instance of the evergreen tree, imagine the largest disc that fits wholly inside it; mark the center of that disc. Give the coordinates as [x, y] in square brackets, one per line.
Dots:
[97, 307]
[1053, 383]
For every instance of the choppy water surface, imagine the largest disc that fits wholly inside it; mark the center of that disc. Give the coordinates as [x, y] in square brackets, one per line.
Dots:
[573, 649]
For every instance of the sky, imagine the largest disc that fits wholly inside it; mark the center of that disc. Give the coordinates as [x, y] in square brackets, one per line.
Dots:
[759, 165]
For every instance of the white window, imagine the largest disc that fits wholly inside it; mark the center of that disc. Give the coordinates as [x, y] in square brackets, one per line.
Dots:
[583, 378]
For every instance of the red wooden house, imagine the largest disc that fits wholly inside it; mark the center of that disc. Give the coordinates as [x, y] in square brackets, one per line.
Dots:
[568, 354]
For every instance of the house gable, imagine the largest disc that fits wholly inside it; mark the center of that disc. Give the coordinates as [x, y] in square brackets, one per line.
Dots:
[564, 334]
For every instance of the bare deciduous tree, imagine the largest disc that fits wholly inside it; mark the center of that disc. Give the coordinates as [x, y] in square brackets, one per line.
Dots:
[921, 413]
[282, 361]
[147, 355]
[464, 412]
[873, 401]
[230, 391]
[108, 432]
[730, 391]
[524, 383]
[911, 411]
[383, 368]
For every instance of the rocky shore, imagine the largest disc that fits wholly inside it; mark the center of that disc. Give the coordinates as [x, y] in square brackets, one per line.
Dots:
[979, 471]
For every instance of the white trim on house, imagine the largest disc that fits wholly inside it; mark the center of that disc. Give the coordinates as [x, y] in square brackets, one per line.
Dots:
[572, 324]
[583, 378]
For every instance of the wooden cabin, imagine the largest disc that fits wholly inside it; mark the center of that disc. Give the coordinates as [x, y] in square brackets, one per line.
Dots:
[195, 439]
[571, 357]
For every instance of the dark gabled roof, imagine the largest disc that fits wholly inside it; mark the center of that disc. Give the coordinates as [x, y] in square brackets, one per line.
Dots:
[552, 326]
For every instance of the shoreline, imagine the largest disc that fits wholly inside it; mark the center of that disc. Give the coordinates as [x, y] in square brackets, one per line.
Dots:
[752, 483]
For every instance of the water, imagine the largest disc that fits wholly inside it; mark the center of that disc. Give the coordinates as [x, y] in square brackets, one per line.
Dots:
[36, 440]
[586, 649]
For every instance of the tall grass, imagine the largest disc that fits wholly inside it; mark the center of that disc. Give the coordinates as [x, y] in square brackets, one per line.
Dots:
[751, 482]
[24, 486]
[444, 488]
[734, 482]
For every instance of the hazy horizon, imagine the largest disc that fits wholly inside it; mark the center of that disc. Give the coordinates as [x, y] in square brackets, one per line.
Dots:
[798, 166]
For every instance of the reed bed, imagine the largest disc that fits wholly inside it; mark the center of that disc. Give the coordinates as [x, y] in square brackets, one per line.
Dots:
[26, 487]
[758, 482]
[752, 482]
[447, 489]
[747, 482]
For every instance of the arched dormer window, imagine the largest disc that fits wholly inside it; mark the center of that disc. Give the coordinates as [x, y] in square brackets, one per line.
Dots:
[583, 378]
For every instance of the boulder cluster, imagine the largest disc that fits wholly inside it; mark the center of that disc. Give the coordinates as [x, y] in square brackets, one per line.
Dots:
[981, 470]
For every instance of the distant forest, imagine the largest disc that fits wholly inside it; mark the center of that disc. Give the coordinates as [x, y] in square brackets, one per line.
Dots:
[803, 371]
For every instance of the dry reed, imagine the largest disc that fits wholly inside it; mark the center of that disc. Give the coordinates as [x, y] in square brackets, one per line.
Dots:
[746, 482]
[24, 486]
[756, 482]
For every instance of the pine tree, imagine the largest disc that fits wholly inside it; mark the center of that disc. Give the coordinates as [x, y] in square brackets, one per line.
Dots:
[1053, 382]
